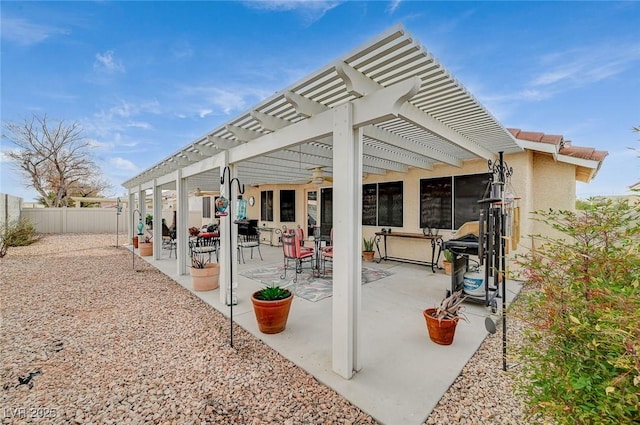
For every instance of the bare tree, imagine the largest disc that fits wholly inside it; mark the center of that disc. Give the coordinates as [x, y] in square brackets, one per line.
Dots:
[54, 157]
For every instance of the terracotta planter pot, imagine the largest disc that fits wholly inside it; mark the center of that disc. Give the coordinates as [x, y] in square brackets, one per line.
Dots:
[271, 315]
[205, 279]
[146, 248]
[368, 255]
[447, 267]
[135, 241]
[441, 332]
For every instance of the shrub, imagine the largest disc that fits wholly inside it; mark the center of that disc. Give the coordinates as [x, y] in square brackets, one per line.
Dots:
[581, 361]
[19, 233]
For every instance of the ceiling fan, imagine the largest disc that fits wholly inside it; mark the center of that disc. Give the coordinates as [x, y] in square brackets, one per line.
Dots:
[199, 192]
[318, 177]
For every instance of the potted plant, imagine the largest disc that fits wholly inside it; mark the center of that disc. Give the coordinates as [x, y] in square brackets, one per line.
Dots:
[148, 220]
[204, 275]
[442, 320]
[271, 306]
[146, 245]
[448, 259]
[367, 248]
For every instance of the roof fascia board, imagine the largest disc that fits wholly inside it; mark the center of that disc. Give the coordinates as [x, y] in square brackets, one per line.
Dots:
[539, 147]
[580, 162]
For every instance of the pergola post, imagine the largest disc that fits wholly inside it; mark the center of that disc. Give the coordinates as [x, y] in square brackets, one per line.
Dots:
[182, 214]
[157, 220]
[347, 260]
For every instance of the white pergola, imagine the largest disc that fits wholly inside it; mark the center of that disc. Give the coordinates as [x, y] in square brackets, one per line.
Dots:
[386, 106]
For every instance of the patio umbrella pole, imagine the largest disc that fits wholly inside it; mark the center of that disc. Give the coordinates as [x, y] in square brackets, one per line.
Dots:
[229, 181]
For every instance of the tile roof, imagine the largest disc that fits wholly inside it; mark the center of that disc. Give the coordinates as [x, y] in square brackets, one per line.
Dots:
[564, 146]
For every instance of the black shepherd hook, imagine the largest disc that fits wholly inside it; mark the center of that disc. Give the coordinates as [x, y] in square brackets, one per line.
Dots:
[229, 183]
[133, 248]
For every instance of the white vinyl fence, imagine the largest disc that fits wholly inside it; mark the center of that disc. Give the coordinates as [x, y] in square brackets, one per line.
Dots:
[9, 208]
[77, 220]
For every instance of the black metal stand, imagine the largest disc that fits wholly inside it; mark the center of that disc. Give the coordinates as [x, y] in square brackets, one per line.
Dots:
[133, 248]
[229, 181]
[494, 243]
[118, 210]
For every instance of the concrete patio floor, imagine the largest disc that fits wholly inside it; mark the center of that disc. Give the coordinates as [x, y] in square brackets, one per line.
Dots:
[403, 373]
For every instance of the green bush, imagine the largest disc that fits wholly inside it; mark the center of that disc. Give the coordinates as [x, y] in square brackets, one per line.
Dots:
[19, 233]
[581, 361]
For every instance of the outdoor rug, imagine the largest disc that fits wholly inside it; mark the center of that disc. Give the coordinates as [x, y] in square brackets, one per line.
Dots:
[308, 287]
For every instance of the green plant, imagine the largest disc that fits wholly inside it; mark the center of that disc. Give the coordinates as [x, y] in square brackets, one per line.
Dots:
[581, 357]
[273, 293]
[451, 307]
[148, 220]
[19, 233]
[367, 244]
[448, 255]
[199, 261]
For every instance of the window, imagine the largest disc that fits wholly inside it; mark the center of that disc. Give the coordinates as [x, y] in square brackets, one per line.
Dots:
[435, 202]
[266, 205]
[449, 202]
[468, 191]
[206, 207]
[326, 211]
[390, 204]
[287, 206]
[382, 204]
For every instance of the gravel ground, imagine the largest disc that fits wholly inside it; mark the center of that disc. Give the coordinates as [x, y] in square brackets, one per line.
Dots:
[86, 340]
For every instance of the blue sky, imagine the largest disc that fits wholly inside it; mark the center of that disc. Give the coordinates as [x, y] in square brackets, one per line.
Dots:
[146, 78]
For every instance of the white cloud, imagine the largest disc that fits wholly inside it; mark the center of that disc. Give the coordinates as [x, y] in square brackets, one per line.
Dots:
[393, 5]
[583, 66]
[203, 100]
[140, 124]
[106, 62]
[123, 164]
[310, 10]
[126, 109]
[25, 33]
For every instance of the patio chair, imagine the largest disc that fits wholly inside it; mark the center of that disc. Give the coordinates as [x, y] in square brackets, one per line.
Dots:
[250, 239]
[201, 245]
[327, 253]
[291, 248]
[299, 231]
[169, 240]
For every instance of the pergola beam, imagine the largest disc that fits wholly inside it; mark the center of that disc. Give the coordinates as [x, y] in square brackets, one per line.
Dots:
[412, 114]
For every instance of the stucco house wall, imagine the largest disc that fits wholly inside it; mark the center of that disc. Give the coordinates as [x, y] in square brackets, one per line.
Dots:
[538, 180]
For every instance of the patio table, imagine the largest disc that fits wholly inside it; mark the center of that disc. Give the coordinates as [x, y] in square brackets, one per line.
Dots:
[435, 240]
